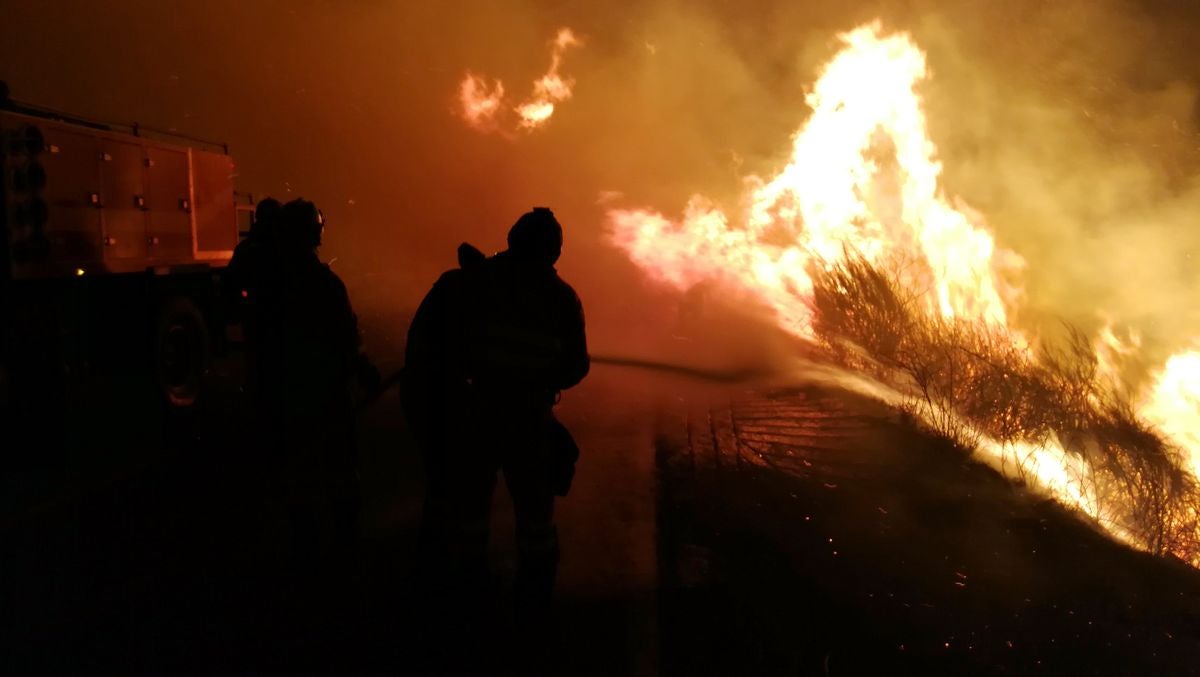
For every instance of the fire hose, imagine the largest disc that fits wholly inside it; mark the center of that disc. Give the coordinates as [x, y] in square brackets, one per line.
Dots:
[727, 376]
[690, 371]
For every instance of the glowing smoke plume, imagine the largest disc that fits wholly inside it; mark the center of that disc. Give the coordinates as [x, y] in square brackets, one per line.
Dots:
[482, 106]
[480, 103]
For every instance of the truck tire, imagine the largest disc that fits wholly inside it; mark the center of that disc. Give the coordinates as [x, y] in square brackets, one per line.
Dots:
[181, 351]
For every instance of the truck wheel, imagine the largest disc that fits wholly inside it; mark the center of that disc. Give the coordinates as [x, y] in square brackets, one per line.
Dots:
[181, 351]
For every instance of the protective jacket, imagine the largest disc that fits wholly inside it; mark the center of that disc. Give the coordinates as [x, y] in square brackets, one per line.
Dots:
[495, 339]
[526, 330]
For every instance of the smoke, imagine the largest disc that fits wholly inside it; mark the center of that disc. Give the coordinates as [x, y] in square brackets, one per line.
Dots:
[1070, 125]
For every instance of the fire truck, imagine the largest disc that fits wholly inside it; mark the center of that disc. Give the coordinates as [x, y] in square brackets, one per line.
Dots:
[112, 243]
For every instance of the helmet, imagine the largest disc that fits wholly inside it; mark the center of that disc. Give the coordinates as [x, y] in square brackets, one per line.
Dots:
[302, 224]
[266, 216]
[537, 235]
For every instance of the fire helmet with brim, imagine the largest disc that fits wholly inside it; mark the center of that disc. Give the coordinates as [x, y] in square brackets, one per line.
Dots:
[267, 214]
[302, 223]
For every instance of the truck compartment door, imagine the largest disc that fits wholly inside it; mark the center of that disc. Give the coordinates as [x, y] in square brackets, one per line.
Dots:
[123, 176]
[169, 205]
[216, 213]
[72, 195]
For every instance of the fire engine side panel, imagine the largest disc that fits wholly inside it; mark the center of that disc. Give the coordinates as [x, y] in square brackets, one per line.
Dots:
[122, 171]
[113, 202]
[72, 168]
[168, 204]
[215, 213]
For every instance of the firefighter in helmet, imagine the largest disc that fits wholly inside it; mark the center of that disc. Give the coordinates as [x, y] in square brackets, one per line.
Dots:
[309, 360]
[490, 348]
[252, 257]
[246, 279]
[317, 358]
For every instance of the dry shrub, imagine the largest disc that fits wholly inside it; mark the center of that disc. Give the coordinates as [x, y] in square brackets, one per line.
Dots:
[966, 380]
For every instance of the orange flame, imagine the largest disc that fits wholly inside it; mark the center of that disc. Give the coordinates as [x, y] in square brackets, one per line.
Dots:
[833, 196]
[551, 88]
[864, 177]
[1173, 404]
[481, 105]
[1112, 353]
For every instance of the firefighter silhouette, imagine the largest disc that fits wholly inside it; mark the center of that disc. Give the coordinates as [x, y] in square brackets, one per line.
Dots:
[250, 271]
[252, 258]
[490, 348]
[308, 358]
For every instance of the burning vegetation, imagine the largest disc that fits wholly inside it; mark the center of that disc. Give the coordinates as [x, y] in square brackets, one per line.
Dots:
[1050, 418]
[854, 247]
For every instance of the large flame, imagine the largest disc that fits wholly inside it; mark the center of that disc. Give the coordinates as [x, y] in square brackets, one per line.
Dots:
[830, 198]
[482, 106]
[864, 178]
[1173, 404]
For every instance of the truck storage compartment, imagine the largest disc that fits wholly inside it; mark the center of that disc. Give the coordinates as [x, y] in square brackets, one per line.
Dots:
[167, 202]
[106, 201]
[215, 214]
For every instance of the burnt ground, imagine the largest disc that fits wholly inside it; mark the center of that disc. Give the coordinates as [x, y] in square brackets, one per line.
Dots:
[714, 532]
[809, 532]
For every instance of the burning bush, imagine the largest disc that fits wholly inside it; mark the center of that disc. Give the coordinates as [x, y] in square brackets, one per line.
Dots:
[982, 388]
[855, 245]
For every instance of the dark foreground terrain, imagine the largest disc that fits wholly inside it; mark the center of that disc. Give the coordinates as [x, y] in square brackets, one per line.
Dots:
[808, 532]
[709, 533]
